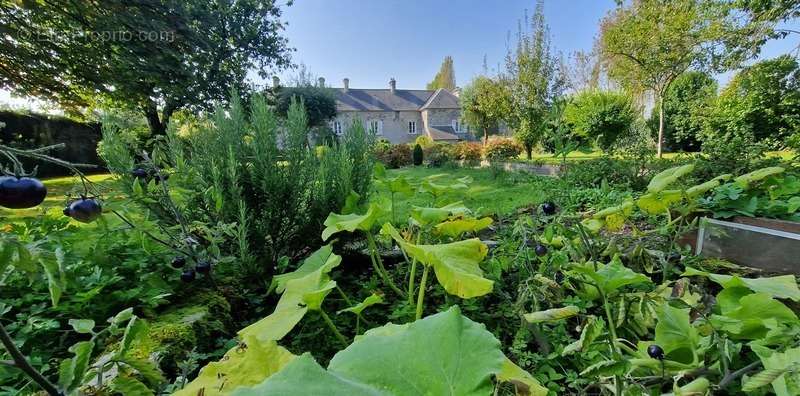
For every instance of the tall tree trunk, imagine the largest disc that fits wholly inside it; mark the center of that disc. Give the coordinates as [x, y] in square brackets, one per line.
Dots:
[529, 152]
[660, 125]
[485, 136]
[158, 124]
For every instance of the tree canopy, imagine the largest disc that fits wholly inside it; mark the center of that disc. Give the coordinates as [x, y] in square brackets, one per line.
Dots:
[152, 56]
[446, 77]
[600, 117]
[686, 104]
[485, 102]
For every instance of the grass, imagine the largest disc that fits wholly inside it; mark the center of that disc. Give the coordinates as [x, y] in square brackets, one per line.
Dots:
[547, 158]
[488, 195]
[57, 191]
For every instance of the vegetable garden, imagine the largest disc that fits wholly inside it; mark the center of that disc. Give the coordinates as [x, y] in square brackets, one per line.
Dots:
[238, 266]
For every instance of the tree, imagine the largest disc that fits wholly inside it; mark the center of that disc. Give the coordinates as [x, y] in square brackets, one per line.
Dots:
[485, 102]
[535, 81]
[152, 56]
[649, 43]
[600, 116]
[686, 105]
[319, 102]
[761, 103]
[446, 77]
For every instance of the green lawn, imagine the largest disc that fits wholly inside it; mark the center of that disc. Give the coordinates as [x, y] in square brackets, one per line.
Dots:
[548, 158]
[57, 190]
[486, 194]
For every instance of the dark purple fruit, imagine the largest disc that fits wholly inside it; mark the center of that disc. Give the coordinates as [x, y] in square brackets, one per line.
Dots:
[158, 177]
[540, 249]
[188, 275]
[674, 257]
[203, 266]
[21, 193]
[655, 352]
[548, 208]
[139, 173]
[178, 262]
[85, 210]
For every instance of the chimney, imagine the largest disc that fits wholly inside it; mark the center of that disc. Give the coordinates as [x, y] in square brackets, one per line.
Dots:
[346, 83]
[392, 84]
[321, 81]
[276, 82]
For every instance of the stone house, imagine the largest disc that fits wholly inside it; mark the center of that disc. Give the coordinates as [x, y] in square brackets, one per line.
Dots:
[401, 115]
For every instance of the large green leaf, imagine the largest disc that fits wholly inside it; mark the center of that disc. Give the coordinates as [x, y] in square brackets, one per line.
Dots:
[787, 360]
[756, 314]
[456, 264]
[443, 354]
[659, 202]
[127, 386]
[438, 189]
[667, 177]
[592, 329]
[784, 286]
[457, 227]
[702, 188]
[300, 295]
[674, 330]
[551, 315]
[350, 222]
[756, 175]
[427, 215]
[243, 365]
[612, 276]
[312, 263]
[71, 371]
[523, 381]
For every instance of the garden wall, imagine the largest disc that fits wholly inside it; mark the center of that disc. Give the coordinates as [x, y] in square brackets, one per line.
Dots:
[36, 130]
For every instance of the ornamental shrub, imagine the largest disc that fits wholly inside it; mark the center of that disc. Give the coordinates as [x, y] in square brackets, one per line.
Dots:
[417, 155]
[600, 117]
[501, 149]
[469, 152]
[424, 141]
[439, 154]
[394, 156]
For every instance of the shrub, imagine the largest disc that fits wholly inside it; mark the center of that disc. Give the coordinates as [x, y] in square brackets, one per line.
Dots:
[469, 152]
[417, 154]
[439, 154]
[394, 156]
[424, 141]
[320, 103]
[686, 103]
[264, 192]
[600, 116]
[501, 149]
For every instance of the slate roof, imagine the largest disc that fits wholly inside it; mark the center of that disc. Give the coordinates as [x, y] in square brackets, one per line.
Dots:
[400, 100]
[442, 133]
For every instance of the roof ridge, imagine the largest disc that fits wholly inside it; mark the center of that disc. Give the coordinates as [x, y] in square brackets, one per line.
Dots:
[434, 96]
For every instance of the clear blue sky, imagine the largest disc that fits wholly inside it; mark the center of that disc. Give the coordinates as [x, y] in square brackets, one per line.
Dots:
[370, 41]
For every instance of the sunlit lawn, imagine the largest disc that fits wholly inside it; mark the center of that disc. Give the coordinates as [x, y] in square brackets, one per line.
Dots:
[548, 158]
[57, 190]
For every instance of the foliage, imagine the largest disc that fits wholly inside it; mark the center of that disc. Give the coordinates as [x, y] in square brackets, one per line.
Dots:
[417, 155]
[445, 77]
[394, 155]
[469, 152]
[686, 106]
[424, 141]
[439, 154]
[485, 102]
[534, 81]
[235, 170]
[600, 117]
[501, 149]
[649, 43]
[761, 103]
[154, 57]
[319, 102]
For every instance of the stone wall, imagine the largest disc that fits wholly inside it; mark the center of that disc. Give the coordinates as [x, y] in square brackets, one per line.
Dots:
[395, 123]
[37, 130]
[442, 117]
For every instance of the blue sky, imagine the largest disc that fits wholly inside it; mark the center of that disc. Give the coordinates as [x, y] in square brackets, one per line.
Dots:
[370, 41]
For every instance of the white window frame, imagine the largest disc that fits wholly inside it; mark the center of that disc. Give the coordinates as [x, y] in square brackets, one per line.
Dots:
[337, 128]
[412, 127]
[456, 124]
[377, 125]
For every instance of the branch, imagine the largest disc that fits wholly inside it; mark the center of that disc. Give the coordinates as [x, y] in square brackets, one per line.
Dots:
[22, 364]
[738, 373]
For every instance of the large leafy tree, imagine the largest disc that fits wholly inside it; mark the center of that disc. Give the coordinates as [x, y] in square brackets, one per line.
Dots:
[485, 102]
[647, 44]
[446, 77]
[600, 117]
[761, 103]
[686, 105]
[152, 56]
[535, 81]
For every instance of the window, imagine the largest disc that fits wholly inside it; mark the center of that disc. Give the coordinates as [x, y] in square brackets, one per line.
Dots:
[412, 127]
[456, 125]
[376, 126]
[337, 127]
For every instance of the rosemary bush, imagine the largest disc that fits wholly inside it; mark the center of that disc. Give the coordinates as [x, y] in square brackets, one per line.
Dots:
[252, 176]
